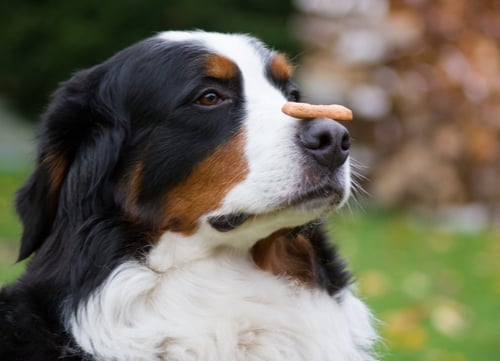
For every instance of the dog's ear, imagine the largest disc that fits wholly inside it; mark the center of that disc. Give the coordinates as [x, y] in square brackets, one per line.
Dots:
[80, 139]
[37, 201]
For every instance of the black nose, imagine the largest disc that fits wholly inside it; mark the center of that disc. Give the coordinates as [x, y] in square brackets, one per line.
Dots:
[327, 141]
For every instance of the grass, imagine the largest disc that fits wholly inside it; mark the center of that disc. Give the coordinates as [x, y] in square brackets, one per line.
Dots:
[435, 291]
[10, 229]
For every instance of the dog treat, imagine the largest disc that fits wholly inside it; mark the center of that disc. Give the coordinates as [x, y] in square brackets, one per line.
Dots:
[308, 111]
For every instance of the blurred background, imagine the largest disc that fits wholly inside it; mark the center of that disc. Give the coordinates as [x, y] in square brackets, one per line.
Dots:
[423, 80]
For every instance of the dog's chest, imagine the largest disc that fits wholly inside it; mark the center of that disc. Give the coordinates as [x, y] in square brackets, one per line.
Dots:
[219, 309]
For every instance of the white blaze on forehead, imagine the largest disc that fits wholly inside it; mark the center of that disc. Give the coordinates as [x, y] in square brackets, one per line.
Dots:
[244, 50]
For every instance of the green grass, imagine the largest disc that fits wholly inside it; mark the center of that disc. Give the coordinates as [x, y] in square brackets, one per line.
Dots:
[10, 228]
[435, 291]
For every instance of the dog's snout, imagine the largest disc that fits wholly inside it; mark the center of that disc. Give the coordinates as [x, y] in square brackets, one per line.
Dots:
[327, 141]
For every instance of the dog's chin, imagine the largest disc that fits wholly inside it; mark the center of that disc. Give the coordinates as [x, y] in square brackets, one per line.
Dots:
[300, 208]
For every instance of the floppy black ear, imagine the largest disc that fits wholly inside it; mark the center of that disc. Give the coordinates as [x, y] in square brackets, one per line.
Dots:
[80, 139]
[36, 205]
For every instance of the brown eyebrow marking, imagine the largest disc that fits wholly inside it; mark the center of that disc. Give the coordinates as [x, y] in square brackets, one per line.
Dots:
[220, 67]
[280, 67]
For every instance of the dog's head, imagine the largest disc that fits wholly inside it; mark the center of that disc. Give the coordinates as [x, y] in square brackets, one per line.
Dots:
[183, 134]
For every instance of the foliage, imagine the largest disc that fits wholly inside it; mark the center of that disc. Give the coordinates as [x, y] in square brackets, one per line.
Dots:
[43, 42]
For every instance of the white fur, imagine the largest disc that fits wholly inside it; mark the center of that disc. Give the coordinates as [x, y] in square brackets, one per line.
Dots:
[201, 297]
[218, 307]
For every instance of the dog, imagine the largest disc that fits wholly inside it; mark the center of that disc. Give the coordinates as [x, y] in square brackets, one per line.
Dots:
[175, 213]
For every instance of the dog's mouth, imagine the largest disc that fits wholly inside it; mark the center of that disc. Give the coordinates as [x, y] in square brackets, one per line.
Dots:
[315, 200]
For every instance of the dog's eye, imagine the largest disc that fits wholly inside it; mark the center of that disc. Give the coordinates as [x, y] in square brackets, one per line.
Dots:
[209, 99]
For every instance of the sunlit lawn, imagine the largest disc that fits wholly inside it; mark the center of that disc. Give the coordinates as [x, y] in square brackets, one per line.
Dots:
[435, 291]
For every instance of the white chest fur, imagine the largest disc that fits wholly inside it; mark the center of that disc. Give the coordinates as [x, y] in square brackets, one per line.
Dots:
[216, 309]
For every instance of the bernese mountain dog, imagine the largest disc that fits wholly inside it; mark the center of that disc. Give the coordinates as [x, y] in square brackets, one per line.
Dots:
[174, 213]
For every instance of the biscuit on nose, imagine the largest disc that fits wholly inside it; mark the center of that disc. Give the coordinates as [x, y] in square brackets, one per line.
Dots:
[309, 111]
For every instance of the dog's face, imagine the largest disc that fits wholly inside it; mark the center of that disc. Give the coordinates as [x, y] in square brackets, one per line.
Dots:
[183, 134]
